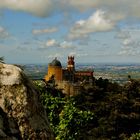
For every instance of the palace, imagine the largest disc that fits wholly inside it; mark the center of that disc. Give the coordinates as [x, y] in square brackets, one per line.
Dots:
[66, 74]
[67, 79]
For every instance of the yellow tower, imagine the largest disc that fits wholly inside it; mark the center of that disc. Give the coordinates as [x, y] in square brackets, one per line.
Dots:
[54, 69]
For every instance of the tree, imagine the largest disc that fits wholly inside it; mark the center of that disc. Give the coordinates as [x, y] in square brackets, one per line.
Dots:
[135, 136]
[1, 59]
[104, 111]
[74, 123]
[67, 121]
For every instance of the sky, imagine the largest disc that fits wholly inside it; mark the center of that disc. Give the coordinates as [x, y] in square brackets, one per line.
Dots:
[94, 31]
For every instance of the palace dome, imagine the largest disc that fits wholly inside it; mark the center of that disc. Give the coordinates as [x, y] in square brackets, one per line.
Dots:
[56, 62]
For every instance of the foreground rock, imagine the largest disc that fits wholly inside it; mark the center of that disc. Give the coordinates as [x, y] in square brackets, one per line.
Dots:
[20, 105]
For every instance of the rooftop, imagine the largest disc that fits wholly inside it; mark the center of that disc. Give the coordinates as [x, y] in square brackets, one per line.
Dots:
[56, 62]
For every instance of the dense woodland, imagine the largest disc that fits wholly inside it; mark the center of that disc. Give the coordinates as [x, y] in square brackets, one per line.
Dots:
[103, 111]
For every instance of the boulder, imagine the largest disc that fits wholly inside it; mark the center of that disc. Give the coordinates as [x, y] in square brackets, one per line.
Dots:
[19, 100]
[8, 127]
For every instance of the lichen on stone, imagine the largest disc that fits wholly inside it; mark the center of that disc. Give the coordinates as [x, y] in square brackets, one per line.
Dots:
[19, 100]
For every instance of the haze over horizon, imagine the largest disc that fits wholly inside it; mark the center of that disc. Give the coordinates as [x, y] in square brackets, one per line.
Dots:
[92, 30]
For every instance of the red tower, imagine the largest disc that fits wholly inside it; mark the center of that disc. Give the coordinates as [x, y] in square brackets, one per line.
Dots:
[71, 63]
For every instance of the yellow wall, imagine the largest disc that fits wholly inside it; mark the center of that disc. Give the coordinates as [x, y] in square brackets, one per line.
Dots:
[56, 71]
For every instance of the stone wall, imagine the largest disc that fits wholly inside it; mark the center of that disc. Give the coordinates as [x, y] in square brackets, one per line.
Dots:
[68, 88]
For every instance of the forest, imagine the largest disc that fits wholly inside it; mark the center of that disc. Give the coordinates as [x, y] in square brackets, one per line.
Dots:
[103, 111]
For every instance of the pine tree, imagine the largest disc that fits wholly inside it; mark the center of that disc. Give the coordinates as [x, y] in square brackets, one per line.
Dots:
[1, 59]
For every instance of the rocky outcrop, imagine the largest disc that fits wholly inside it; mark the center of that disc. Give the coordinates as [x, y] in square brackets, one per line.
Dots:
[19, 103]
[8, 127]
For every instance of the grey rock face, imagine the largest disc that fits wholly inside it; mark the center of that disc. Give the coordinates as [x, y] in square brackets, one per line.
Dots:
[19, 101]
[8, 127]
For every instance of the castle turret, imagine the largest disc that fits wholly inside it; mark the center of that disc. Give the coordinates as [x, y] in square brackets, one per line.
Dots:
[71, 63]
[54, 69]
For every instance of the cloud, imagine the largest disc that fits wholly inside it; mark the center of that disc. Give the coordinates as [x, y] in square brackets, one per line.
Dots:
[129, 36]
[45, 7]
[97, 22]
[56, 44]
[123, 34]
[3, 33]
[56, 55]
[78, 54]
[133, 43]
[66, 45]
[129, 52]
[100, 21]
[130, 43]
[43, 31]
[47, 44]
[36, 7]
[51, 43]
[124, 7]
[127, 42]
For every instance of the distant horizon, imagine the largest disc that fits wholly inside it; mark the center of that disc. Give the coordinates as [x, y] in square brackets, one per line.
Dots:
[83, 63]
